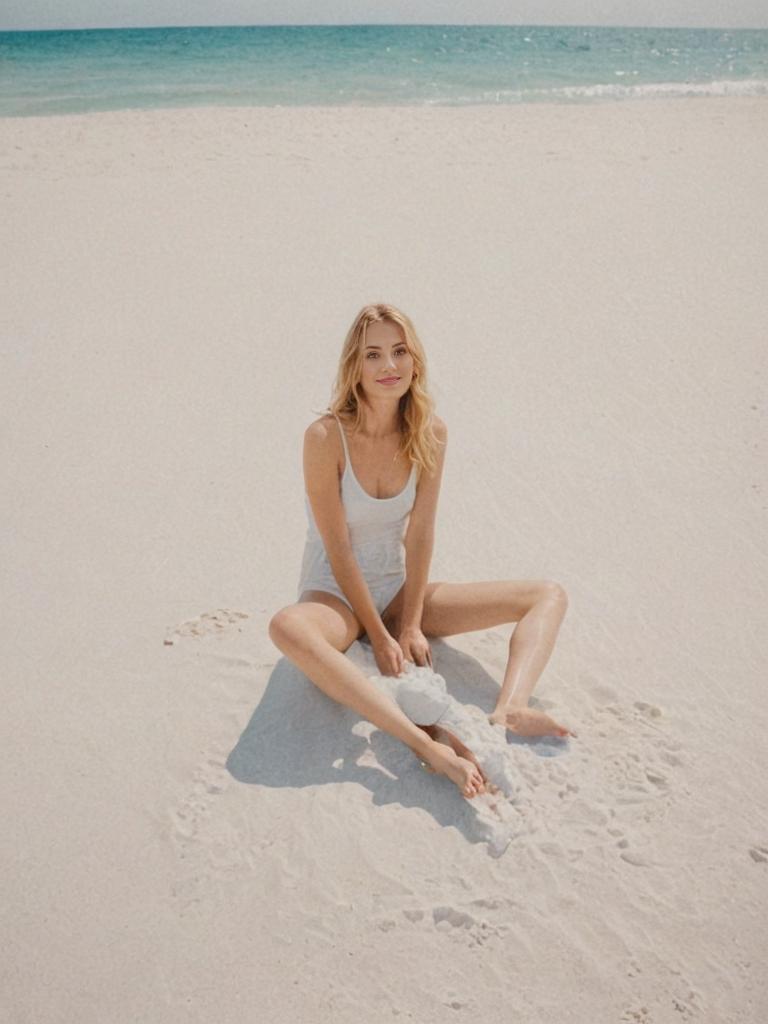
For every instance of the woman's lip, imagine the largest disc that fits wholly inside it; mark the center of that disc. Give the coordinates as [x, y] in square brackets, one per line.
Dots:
[387, 380]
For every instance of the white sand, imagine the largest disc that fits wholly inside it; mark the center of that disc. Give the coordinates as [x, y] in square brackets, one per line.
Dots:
[193, 832]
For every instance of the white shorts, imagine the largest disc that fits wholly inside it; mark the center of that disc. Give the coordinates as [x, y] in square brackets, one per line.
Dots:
[382, 589]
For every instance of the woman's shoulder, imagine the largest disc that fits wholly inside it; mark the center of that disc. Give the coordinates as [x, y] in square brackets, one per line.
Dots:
[439, 428]
[320, 429]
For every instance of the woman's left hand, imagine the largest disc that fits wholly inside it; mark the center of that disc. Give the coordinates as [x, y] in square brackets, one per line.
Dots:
[414, 646]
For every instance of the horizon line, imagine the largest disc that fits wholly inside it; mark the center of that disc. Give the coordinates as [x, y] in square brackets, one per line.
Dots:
[379, 24]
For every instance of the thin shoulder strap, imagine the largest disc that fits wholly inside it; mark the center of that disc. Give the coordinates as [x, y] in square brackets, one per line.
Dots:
[343, 438]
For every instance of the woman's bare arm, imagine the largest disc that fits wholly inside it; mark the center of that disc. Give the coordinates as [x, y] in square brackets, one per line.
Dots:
[420, 536]
[321, 479]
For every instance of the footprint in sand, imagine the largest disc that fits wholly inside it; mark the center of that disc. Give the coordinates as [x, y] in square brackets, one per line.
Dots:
[413, 916]
[462, 925]
[205, 625]
[759, 854]
[686, 1008]
[600, 693]
[626, 779]
[209, 779]
[638, 1016]
[656, 778]
[206, 843]
[648, 710]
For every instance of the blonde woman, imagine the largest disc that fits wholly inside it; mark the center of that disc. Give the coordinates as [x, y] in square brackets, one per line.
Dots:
[372, 471]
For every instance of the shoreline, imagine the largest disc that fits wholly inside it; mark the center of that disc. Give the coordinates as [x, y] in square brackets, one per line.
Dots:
[405, 107]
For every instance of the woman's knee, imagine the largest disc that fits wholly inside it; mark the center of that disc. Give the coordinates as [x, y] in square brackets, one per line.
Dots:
[289, 627]
[305, 624]
[554, 593]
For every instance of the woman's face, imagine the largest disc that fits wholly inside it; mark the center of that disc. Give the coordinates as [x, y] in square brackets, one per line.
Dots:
[387, 362]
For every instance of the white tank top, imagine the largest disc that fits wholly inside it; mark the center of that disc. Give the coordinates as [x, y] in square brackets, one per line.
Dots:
[376, 528]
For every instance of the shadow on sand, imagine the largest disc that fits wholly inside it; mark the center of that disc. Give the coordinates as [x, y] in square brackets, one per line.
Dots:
[298, 736]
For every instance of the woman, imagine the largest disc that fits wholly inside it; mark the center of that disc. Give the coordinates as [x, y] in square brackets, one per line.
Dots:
[372, 470]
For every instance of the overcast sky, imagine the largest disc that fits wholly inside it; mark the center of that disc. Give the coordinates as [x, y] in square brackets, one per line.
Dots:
[129, 13]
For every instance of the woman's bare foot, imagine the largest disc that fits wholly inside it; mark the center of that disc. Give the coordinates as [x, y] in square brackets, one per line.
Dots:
[528, 722]
[443, 735]
[443, 760]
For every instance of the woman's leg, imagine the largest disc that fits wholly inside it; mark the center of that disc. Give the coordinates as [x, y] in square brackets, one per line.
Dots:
[537, 606]
[313, 634]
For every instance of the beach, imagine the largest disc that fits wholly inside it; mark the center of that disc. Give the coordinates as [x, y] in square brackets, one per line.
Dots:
[195, 832]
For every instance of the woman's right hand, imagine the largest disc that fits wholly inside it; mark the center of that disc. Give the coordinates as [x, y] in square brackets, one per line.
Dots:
[389, 655]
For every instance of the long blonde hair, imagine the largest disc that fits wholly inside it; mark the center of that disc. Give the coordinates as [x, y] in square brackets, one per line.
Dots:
[419, 443]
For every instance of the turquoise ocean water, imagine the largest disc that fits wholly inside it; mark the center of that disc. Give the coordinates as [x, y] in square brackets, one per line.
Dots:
[61, 72]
